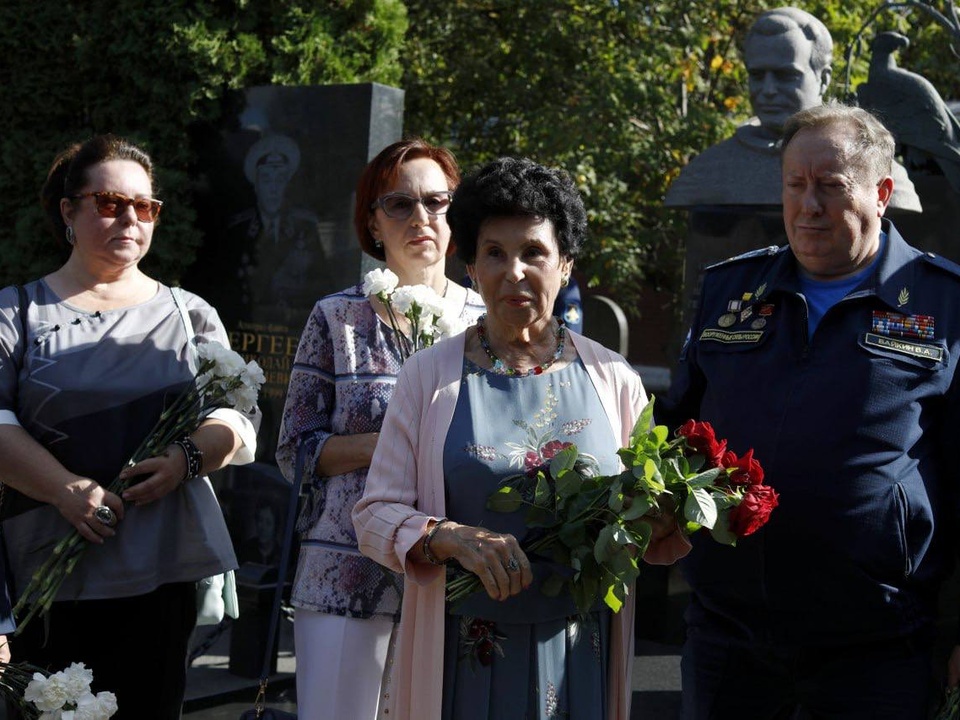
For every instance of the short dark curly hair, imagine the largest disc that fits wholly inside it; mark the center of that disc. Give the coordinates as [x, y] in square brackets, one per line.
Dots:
[511, 186]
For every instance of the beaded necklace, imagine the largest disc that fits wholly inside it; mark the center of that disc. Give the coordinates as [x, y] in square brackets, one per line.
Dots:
[502, 369]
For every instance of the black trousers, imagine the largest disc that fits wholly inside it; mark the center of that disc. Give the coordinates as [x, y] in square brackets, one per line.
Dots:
[136, 647]
[727, 679]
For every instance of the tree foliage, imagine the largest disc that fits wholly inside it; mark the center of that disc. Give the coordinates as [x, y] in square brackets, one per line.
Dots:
[155, 74]
[620, 93]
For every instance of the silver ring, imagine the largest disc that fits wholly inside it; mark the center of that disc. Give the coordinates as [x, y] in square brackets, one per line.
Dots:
[105, 515]
[513, 565]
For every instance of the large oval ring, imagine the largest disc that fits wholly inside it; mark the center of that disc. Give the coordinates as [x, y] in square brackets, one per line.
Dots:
[513, 565]
[105, 515]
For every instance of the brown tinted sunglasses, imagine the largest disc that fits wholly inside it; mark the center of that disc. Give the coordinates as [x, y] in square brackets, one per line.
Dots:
[112, 205]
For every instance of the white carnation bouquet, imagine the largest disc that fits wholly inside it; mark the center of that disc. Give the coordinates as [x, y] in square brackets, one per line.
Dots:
[64, 695]
[223, 380]
[420, 305]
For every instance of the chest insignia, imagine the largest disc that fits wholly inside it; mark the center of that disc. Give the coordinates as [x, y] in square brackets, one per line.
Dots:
[726, 320]
[731, 336]
[914, 349]
[903, 298]
[892, 324]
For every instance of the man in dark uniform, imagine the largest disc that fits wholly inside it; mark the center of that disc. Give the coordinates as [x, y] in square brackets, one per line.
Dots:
[283, 256]
[835, 359]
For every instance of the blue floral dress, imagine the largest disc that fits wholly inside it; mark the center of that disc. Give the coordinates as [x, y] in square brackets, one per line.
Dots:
[532, 656]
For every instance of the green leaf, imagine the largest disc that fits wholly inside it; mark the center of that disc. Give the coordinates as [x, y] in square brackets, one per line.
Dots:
[624, 565]
[505, 499]
[585, 592]
[638, 508]
[700, 508]
[642, 426]
[604, 545]
[616, 497]
[640, 534]
[721, 530]
[651, 478]
[541, 518]
[705, 478]
[564, 460]
[573, 534]
[568, 483]
[661, 434]
[543, 495]
[650, 469]
[620, 535]
[612, 599]
[724, 500]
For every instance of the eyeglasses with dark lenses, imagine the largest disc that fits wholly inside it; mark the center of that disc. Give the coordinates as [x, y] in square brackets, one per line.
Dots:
[112, 205]
[400, 206]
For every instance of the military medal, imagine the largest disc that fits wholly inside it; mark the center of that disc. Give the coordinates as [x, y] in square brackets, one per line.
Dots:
[726, 320]
[759, 323]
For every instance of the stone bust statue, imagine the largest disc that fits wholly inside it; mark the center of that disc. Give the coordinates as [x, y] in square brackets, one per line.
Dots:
[788, 54]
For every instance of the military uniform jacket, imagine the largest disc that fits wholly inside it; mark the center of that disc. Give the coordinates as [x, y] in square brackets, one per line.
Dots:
[857, 430]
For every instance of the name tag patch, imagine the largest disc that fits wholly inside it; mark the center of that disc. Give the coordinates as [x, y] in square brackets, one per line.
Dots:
[731, 336]
[914, 349]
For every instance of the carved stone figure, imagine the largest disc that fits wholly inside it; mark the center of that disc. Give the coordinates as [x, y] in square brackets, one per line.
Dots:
[910, 106]
[788, 54]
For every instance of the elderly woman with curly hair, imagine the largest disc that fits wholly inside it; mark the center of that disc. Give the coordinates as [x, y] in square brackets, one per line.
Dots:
[500, 399]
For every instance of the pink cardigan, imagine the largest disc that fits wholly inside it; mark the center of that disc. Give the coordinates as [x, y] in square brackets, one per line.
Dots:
[404, 491]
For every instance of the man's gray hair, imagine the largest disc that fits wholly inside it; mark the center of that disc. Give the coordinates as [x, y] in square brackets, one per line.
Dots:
[783, 20]
[872, 148]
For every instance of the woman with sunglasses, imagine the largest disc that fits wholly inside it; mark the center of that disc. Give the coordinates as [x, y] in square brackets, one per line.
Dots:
[89, 355]
[342, 379]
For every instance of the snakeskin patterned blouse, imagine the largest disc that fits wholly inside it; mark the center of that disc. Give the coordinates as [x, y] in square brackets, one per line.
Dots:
[342, 379]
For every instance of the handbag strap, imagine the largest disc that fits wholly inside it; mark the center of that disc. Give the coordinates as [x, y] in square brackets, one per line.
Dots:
[284, 563]
[22, 358]
[187, 327]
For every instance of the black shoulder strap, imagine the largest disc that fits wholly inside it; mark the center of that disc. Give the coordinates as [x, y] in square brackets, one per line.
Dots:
[284, 562]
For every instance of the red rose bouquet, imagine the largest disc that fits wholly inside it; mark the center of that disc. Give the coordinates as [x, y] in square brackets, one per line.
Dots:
[596, 528]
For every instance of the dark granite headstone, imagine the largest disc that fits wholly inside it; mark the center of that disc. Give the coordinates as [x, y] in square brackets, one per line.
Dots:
[277, 210]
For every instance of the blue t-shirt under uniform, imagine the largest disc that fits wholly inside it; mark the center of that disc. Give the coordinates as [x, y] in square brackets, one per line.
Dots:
[822, 295]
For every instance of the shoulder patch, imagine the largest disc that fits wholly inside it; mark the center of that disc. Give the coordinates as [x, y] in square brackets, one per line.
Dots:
[758, 253]
[942, 263]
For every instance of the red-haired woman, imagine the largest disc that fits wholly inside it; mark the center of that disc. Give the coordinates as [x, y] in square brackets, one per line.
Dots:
[343, 377]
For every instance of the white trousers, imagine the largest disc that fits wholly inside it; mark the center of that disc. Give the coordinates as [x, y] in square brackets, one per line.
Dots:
[340, 665]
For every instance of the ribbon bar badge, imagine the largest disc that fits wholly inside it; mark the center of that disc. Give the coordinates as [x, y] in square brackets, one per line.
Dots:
[893, 324]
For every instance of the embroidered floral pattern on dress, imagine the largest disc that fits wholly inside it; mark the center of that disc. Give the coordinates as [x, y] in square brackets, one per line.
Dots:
[543, 437]
[574, 427]
[551, 704]
[479, 640]
[484, 452]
